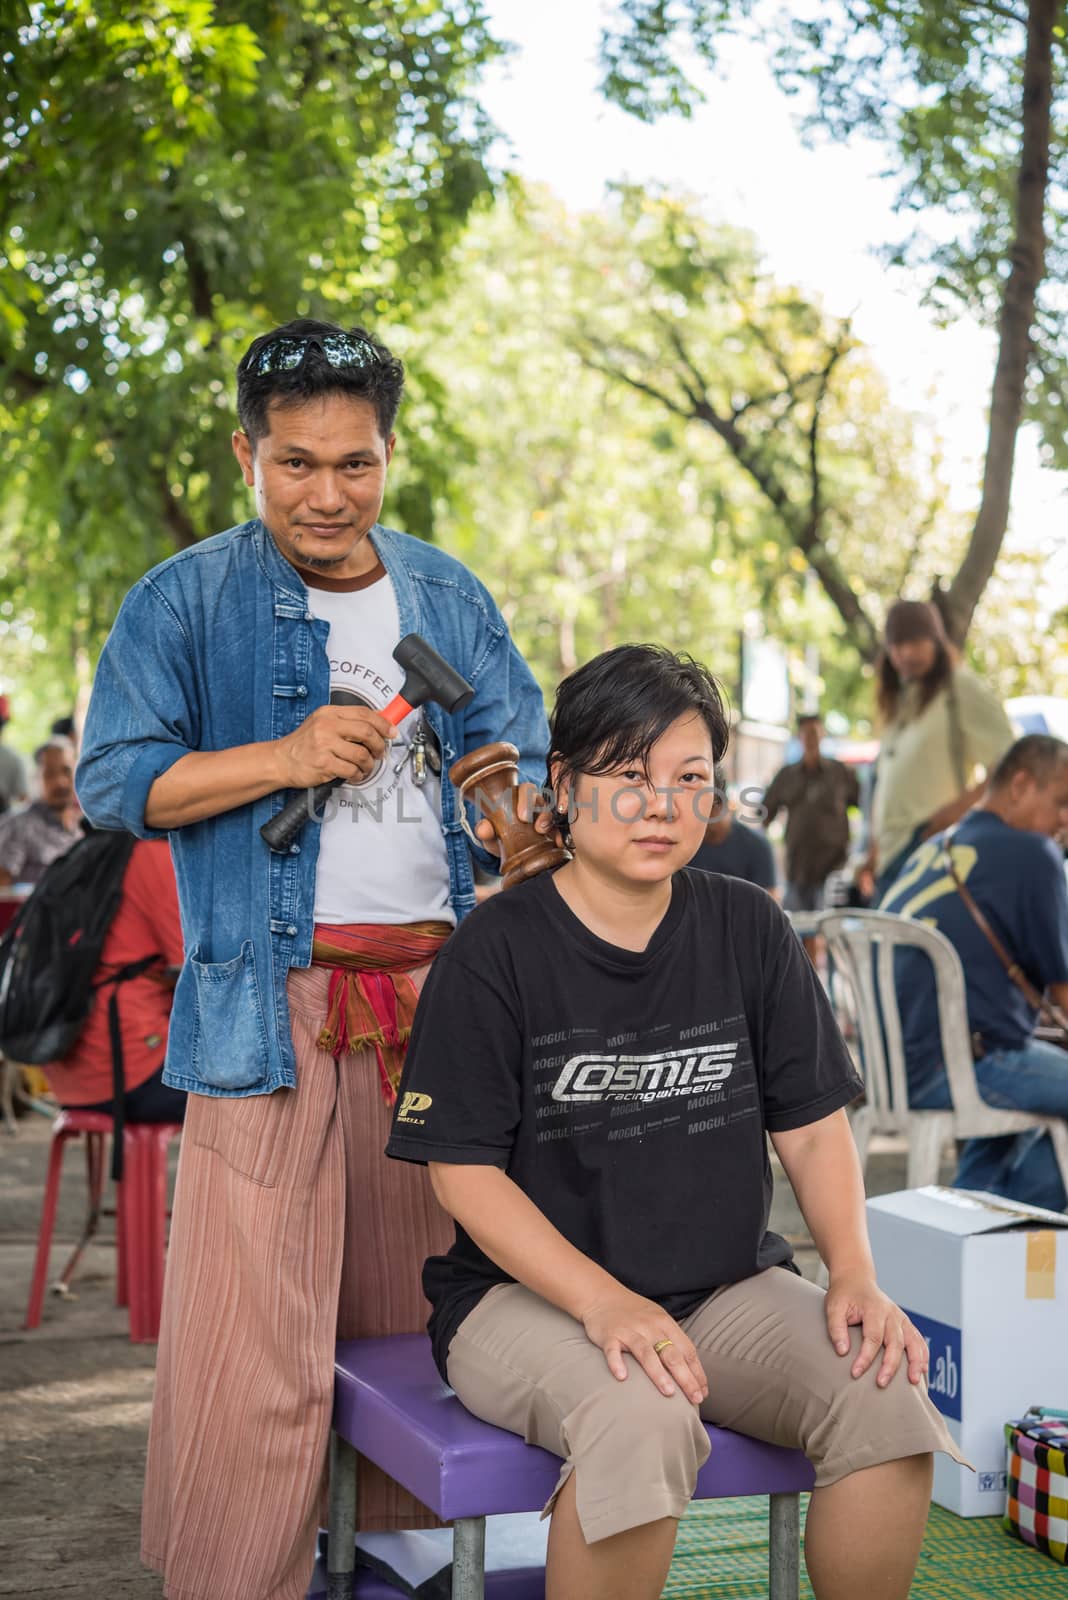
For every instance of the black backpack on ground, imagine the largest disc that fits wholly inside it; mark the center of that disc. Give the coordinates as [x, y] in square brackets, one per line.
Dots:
[50, 956]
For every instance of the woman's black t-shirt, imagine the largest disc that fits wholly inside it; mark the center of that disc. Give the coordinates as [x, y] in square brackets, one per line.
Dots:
[626, 1093]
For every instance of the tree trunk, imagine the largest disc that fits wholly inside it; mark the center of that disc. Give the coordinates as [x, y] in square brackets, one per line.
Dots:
[1027, 264]
[175, 518]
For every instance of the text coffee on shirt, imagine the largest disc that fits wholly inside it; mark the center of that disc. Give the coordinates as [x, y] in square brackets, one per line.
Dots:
[626, 1093]
[381, 854]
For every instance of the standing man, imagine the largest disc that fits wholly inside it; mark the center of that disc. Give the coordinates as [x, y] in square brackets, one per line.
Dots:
[31, 839]
[816, 794]
[256, 663]
[1002, 867]
[939, 723]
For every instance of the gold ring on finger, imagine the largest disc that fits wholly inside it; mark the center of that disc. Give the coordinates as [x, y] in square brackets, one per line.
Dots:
[661, 1344]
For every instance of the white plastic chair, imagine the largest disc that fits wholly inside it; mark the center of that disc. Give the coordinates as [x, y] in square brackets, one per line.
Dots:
[861, 945]
[805, 923]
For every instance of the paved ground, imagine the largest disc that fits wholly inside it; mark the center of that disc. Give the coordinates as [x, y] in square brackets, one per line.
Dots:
[76, 1394]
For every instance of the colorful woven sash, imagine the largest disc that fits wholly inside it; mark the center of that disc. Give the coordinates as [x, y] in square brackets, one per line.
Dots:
[371, 999]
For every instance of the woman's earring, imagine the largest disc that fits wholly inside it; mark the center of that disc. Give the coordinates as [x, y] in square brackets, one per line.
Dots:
[562, 824]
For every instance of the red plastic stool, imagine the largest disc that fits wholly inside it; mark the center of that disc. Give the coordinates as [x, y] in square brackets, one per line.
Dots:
[141, 1214]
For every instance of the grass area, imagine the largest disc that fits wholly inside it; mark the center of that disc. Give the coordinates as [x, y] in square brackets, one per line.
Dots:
[722, 1554]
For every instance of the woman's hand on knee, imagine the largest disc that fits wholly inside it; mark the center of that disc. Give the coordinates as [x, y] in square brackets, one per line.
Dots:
[855, 1300]
[624, 1321]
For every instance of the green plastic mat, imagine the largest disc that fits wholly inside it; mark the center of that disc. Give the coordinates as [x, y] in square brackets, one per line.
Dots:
[722, 1554]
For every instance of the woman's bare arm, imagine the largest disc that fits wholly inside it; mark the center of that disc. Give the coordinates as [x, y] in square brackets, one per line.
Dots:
[510, 1229]
[823, 1168]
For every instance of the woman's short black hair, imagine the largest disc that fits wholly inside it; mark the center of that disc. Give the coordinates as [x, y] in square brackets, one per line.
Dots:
[612, 711]
[379, 380]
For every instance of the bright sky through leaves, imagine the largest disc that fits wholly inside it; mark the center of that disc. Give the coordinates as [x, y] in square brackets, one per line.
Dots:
[817, 213]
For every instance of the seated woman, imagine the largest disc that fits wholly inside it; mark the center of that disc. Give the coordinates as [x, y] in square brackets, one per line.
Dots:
[596, 1060]
[146, 924]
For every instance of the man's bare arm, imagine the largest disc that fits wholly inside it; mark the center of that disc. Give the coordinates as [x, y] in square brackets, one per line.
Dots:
[334, 742]
[207, 782]
[513, 1232]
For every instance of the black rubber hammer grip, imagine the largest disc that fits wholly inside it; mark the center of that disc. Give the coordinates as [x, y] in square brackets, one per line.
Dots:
[426, 677]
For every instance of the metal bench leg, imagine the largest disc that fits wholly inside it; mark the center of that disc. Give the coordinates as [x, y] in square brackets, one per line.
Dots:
[341, 1549]
[94, 1166]
[469, 1558]
[784, 1546]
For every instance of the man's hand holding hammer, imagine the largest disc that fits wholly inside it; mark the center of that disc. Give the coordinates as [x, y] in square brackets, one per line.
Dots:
[335, 742]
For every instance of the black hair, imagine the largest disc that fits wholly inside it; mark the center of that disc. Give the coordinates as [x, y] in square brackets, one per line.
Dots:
[613, 710]
[57, 742]
[63, 728]
[380, 382]
[808, 716]
[1040, 754]
[888, 684]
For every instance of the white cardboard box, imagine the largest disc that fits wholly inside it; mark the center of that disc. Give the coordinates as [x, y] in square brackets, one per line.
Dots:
[986, 1282]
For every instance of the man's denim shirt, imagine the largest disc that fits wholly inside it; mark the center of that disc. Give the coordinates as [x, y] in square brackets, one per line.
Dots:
[216, 648]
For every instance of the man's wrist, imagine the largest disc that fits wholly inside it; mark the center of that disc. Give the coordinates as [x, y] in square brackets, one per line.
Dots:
[273, 753]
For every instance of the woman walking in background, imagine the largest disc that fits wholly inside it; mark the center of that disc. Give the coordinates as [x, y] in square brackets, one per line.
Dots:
[939, 723]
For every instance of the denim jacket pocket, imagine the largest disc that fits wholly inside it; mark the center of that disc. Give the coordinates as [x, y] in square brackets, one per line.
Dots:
[229, 1038]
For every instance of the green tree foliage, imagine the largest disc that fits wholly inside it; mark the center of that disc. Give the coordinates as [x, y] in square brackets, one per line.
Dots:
[176, 176]
[644, 46]
[972, 100]
[601, 510]
[789, 401]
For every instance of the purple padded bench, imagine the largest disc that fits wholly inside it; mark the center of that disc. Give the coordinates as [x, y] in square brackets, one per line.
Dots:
[391, 1406]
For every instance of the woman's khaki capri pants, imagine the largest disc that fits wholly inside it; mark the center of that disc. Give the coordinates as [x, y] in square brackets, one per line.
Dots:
[772, 1373]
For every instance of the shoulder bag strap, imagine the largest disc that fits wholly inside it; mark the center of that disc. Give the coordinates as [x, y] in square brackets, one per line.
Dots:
[1038, 1002]
[132, 969]
[956, 737]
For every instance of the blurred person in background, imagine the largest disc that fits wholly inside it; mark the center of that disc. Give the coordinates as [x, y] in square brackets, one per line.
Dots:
[733, 849]
[31, 839]
[12, 770]
[939, 723]
[816, 793]
[1007, 860]
[65, 728]
[146, 923]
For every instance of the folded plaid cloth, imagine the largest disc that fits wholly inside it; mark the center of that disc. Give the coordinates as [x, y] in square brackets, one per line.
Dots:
[1037, 1511]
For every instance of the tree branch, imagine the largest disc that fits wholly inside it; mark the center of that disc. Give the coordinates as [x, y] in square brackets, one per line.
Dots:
[700, 390]
[200, 292]
[649, 389]
[835, 583]
[1026, 269]
[995, 10]
[916, 545]
[27, 385]
[175, 517]
[803, 528]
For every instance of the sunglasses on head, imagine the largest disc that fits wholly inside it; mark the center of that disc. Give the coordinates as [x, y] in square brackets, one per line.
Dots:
[339, 349]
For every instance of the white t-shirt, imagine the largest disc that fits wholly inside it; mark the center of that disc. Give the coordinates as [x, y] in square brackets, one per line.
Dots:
[381, 854]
